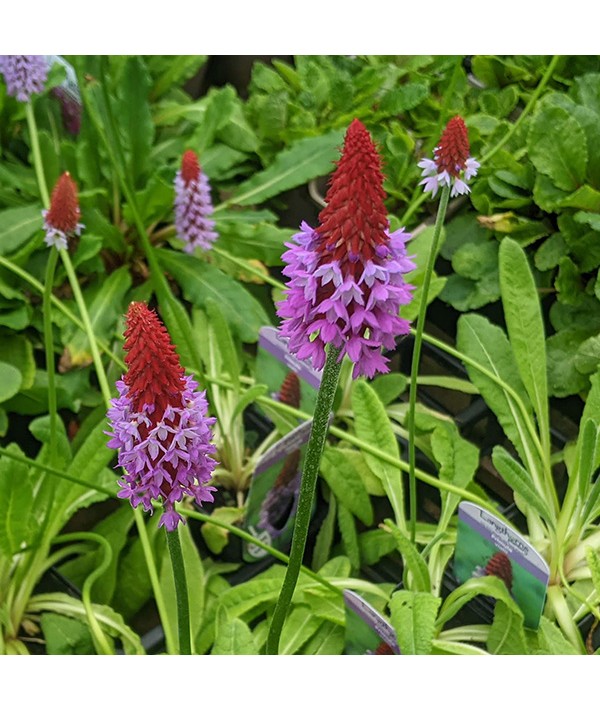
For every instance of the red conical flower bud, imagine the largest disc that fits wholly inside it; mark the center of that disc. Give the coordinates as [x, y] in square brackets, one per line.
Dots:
[62, 219]
[190, 167]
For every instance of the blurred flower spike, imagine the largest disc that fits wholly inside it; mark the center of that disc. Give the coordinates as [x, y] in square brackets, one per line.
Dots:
[451, 165]
[347, 275]
[159, 423]
[193, 205]
[24, 74]
[62, 219]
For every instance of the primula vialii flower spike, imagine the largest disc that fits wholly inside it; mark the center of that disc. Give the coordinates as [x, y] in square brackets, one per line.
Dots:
[24, 74]
[452, 165]
[62, 219]
[159, 423]
[346, 276]
[193, 205]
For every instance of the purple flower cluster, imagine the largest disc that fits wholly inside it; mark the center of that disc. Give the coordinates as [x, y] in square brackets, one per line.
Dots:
[24, 74]
[167, 459]
[357, 310]
[193, 205]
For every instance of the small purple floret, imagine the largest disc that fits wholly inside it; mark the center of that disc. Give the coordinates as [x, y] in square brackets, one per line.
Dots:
[193, 207]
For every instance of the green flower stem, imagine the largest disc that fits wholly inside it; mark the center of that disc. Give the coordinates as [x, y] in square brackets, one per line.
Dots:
[308, 484]
[37, 155]
[100, 642]
[564, 618]
[89, 330]
[243, 264]
[181, 592]
[49, 349]
[414, 370]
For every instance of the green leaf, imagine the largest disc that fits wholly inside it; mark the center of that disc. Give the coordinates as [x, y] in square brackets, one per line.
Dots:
[593, 561]
[194, 573]
[349, 536]
[177, 321]
[588, 446]
[563, 376]
[374, 545]
[507, 634]
[389, 386]
[10, 381]
[488, 345]
[550, 639]
[104, 311]
[18, 351]
[322, 547]
[16, 499]
[306, 159]
[224, 356]
[201, 281]
[463, 594]
[343, 479]
[373, 427]
[550, 252]
[299, 627]
[134, 116]
[134, 588]
[413, 560]
[557, 147]
[17, 225]
[216, 537]
[587, 357]
[525, 327]
[328, 639]
[232, 636]
[247, 398]
[520, 481]
[413, 617]
[64, 635]
[326, 605]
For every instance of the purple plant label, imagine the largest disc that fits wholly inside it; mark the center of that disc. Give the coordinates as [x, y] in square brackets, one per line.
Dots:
[273, 343]
[486, 545]
[367, 631]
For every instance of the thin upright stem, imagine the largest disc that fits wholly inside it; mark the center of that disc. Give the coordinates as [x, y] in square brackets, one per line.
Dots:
[49, 349]
[414, 370]
[308, 483]
[181, 592]
[37, 155]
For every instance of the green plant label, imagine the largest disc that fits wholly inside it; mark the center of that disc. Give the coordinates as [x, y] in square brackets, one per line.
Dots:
[367, 631]
[486, 545]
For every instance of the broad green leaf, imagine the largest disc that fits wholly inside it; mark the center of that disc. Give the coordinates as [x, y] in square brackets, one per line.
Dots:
[507, 634]
[593, 561]
[373, 427]
[194, 579]
[10, 381]
[413, 617]
[247, 398]
[413, 560]
[201, 281]
[557, 147]
[550, 639]
[460, 596]
[252, 240]
[349, 536]
[442, 646]
[216, 537]
[18, 351]
[64, 635]
[324, 540]
[525, 327]
[134, 116]
[389, 386]
[588, 448]
[488, 346]
[177, 321]
[306, 159]
[246, 596]
[104, 311]
[16, 499]
[17, 225]
[587, 357]
[561, 349]
[325, 605]
[338, 567]
[225, 358]
[299, 627]
[328, 639]
[521, 482]
[232, 636]
[338, 471]
[375, 544]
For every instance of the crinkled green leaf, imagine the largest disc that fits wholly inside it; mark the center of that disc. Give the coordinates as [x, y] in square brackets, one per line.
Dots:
[346, 483]
[413, 616]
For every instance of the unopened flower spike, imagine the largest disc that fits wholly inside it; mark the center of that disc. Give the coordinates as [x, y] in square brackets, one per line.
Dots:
[62, 219]
[159, 423]
[451, 165]
[24, 74]
[193, 205]
[347, 275]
